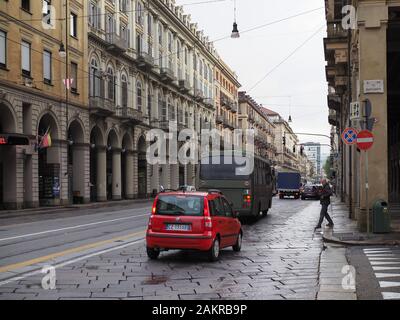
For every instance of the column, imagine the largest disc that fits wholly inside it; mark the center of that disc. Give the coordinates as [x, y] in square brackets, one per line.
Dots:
[101, 174]
[116, 176]
[129, 175]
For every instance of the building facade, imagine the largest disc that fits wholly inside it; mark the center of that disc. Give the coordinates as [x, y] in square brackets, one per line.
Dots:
[133, 66]
[286, 142]
[352, 62]
[252, 116]
[34, 100]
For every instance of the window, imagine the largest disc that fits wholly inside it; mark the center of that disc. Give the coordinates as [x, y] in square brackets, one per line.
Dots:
[149, 101]
[73, 25]
[74, 77]
[170, 41]
[3, 49]
[47, 67]
[26, 5]
[139, 13]
[160, 34]
[217, 208]
[110, 84]
[94, 80]
[94, 16]
[139, 100]
[124, 91]
[149, 25]
[228, 209]
[26, 58]
[139, 43]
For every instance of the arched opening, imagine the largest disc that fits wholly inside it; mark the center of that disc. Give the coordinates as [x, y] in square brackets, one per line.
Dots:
[8, 178]
[76, 161]
[49, 163]
[113, 167]
[142, 168]
[96, 170]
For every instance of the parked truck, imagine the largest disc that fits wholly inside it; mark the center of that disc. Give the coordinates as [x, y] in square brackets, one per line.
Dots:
[288, 184]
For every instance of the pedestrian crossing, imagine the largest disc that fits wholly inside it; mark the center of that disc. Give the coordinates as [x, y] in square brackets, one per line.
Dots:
[385, 263]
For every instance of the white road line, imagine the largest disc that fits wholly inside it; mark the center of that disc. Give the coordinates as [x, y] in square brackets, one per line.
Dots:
[378, 251]
[387, 275]
[383, 263]
[378, 259]
[387, 255]
[375, 249]
[385, 268]
[71, 228]
[68, 262]
[389, 284]
[391, 295]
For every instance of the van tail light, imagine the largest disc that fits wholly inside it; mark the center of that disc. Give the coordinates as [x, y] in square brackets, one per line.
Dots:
[208, 224]
[247, 201]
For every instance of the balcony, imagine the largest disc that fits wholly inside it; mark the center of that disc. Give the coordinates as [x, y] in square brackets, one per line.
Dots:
[198, 94]
[116, 43]
[226, 103]
[336, 43]
[334, 101]
[219, 119]
[145, 61]
[130, 115]
[341, 81]
[167, 75]
[333, 120]
[234, 108]
[209, 103]
[184, 86]
[101, 106]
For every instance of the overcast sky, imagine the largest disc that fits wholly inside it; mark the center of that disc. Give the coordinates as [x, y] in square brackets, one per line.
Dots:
[300, 81]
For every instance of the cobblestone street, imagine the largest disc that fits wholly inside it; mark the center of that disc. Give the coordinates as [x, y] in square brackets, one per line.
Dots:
[280, 259]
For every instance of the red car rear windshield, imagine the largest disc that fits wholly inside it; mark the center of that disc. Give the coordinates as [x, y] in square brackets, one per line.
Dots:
[180, 205]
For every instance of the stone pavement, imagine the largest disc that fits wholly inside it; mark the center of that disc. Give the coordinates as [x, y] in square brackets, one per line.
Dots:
[346, 232]
[282, 258]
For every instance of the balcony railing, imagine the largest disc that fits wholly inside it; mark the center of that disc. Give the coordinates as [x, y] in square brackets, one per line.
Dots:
[199, 95]
[234, 108]
[335, 30]
[219, 119]
[117, 44]
[167, 75]
[130, 115]
[145, 60]
[101, 106]
[184, 85]
[334, 101]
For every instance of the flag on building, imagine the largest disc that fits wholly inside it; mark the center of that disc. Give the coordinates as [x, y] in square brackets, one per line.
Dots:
[68, 83]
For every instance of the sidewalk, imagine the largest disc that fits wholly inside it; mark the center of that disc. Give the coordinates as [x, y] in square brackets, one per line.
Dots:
[7, 214]
[346, 232]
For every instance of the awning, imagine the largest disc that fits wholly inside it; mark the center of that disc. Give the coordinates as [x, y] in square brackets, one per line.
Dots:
[14, 139]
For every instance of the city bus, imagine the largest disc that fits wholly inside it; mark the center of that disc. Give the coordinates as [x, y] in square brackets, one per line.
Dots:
[250, 195]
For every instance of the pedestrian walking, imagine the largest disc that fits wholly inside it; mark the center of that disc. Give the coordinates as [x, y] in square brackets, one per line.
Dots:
[326, 193]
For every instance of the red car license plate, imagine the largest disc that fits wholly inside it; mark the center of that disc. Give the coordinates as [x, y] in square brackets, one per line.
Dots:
[178, 227]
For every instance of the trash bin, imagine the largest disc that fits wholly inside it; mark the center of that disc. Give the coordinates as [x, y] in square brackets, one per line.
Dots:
[381, 217]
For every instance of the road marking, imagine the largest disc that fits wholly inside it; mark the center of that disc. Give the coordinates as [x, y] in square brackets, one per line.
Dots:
[378, 251]
[382, 263]
[387, 275]
[71, 228]
[65, 252]
[377, 259]
[385, 268]
[391, 295]
[374, 249]
[68, 262]
[389, 284]
[379, 255]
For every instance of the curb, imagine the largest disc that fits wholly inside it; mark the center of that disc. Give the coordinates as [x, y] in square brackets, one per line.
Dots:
[361, 243]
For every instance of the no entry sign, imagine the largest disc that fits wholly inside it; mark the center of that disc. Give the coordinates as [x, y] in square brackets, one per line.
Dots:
[365, 140]
[349, 136]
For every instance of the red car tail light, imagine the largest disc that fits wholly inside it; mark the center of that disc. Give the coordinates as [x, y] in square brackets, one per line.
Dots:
[208, 224]
[246, 200]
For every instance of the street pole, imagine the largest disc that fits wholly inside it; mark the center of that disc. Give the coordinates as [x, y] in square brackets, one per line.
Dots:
[366, 192]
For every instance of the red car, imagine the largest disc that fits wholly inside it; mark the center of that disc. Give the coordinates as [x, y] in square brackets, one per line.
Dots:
[201, 221]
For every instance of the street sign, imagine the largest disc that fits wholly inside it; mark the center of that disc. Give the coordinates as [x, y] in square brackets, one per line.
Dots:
[365, 140]
[355, 112]
[349, 136]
